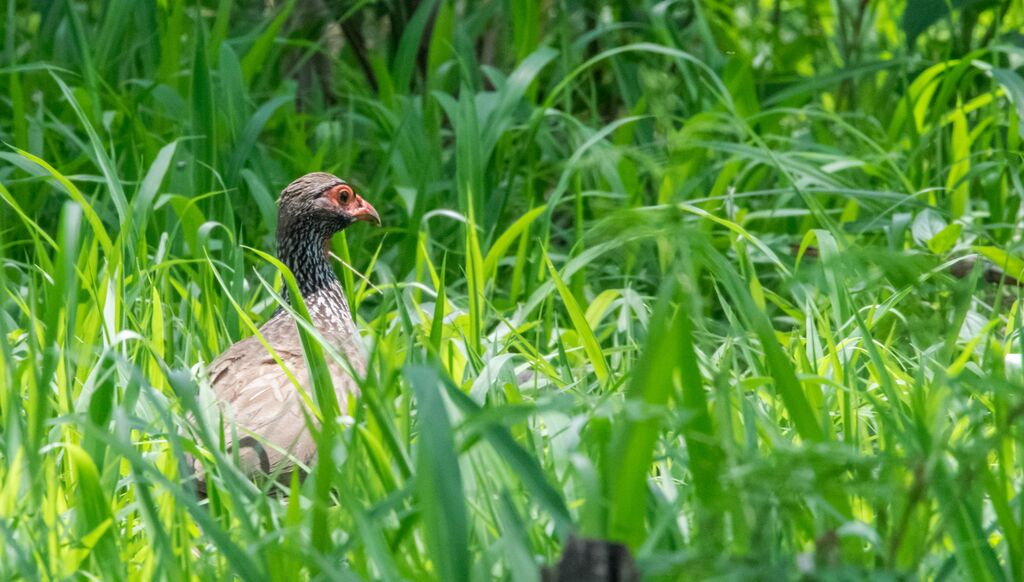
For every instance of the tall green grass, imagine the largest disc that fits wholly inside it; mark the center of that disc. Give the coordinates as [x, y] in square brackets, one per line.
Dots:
[675, 274]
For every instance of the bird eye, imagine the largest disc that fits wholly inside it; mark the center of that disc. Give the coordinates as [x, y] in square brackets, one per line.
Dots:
[338, 194]
[341, 193]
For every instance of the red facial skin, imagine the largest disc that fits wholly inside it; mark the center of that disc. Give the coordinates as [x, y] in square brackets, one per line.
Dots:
[353, 204]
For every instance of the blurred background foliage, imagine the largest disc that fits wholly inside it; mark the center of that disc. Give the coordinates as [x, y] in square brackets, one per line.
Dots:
[733, 282]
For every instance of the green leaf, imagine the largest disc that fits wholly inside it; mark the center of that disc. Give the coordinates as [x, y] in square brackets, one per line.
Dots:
[204, 129]
[94, 515]
[256, 59]
[409, 45]
[103, 160]
[786, 382]
[143, 202]
[500, 246]
[327, 409]
[919, 15]
[250, 135]
[523, 464]
[440, 303]
[439, 479]
[960, 167]
[1011, 265]
[579, 322]
[945, 239]
[1014, 86]
[669, 353]
[515, 88]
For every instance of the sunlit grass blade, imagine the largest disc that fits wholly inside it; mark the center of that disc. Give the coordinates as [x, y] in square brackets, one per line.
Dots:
[527, 469]
[95, 516]
[590, 344]
[786, 382]
[627, 466]
[106, 165]
[439, 480]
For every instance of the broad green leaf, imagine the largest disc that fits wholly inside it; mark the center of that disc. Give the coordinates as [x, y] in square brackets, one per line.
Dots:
[1012, 265]
[945, 239]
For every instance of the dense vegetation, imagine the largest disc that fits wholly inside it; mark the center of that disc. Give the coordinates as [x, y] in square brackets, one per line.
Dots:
[720, 280]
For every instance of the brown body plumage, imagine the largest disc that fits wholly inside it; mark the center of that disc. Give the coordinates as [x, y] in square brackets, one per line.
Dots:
[250, 388]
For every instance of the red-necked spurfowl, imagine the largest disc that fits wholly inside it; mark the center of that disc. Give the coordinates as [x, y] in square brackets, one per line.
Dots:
[251, 389]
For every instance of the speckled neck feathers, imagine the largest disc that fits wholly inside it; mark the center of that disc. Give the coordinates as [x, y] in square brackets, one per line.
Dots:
[304, 250]
[302, 242]
[305, 254]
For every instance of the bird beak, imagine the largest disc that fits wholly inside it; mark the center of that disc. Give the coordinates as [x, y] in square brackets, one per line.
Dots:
[360, 209]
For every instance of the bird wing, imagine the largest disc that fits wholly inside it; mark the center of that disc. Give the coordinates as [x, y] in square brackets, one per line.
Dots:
[253, 392]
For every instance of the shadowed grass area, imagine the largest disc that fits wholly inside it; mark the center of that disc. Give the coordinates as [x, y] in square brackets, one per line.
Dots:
[734, 283]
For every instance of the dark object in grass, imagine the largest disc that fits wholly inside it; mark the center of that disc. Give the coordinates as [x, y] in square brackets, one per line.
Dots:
[960, 269]
[250, 387]
[592, 560]
[991, 274]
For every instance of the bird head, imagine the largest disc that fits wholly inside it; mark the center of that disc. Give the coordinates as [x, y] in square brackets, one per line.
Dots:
[322, 203]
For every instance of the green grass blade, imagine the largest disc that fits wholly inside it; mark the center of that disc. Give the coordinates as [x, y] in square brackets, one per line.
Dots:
[439, 480]
[579, 321]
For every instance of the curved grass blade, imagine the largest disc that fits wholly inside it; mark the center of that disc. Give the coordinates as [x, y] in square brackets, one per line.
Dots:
[439, 479]
[579, 322]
